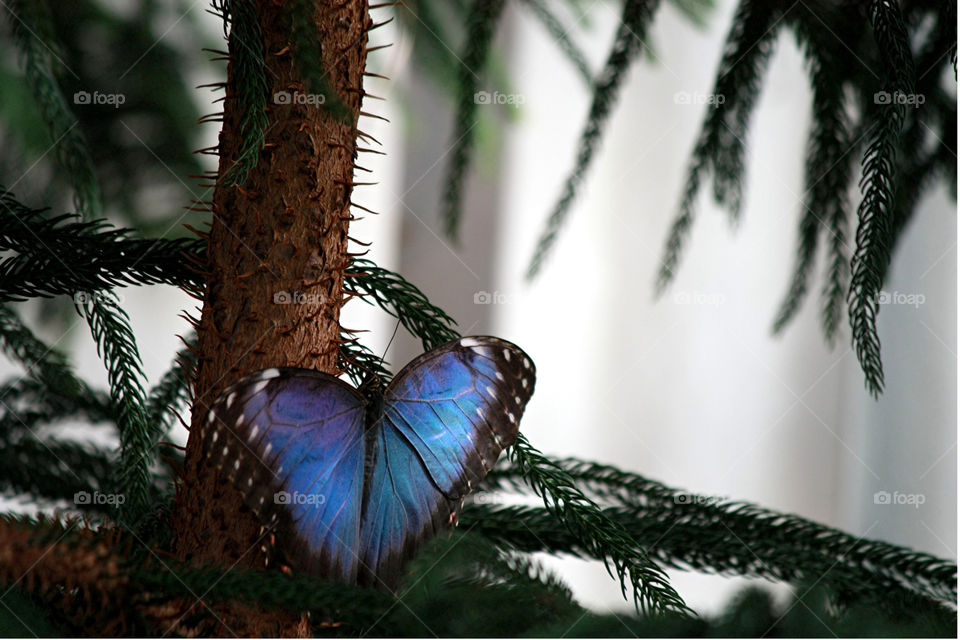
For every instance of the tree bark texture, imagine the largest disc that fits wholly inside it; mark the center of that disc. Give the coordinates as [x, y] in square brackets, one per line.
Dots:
[284, 231]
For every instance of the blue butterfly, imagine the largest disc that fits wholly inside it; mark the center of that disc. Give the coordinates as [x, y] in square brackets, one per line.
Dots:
[353, 482]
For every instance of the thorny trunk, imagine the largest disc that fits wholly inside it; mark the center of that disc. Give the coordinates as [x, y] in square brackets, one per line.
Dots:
[284, 230]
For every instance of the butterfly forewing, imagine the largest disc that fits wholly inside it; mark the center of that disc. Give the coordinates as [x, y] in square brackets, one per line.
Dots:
[292, 441]
[446, 418]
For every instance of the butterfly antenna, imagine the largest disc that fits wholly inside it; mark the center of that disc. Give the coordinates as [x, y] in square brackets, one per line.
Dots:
[395, 329]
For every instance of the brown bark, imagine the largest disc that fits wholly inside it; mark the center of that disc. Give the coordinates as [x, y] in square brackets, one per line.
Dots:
[284, 230]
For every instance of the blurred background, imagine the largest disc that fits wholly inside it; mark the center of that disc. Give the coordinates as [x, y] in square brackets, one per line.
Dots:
[689, 389]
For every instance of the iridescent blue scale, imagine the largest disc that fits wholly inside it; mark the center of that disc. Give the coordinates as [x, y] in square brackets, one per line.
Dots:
[353, 483]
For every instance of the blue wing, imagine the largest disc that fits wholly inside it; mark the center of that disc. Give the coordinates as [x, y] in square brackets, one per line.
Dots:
[446, 417]
[292, 441]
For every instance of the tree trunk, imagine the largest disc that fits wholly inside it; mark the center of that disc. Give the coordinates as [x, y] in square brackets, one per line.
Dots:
[283, 231]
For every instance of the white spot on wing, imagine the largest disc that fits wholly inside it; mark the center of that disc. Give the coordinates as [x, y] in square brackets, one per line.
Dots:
[491, 392]
[469, 342]
[240, 420]
[231, 398]
[499, 376]
[526, 363]
[225, 452]
[236, 465]
[512, 417]
[211, 416]
[506, 355]
[268, 374]
[266, 450]
[256, 430]
[524, 383]
[480, 413]
[216, 434]
[260, 386]
[516, 399]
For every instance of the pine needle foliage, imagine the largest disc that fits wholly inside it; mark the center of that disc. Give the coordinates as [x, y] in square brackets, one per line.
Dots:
[561, 35]
[306, 51]
[691, 531]
[102, 570]
[628, 43]
[866, 95]
[481, 24]
[33, 34]
[117, 346]
[245, 44]
[875, 232]
[599, 536]
[719, 147]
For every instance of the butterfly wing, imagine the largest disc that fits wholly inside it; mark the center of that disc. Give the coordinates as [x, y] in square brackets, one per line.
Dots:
[446, 417]
[292, 441]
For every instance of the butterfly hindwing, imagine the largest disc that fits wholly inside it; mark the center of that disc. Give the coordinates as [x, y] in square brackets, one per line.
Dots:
[292, 441]
[446, 418]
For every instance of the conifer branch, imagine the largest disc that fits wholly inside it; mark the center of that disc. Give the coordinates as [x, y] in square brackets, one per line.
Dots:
[62, 255]
[172, 391]
[117, 346]
[307, 56]
[54, 469]
[33, 36]
[630, 38]
[731, 537]
[245, 42]
[402, 300]
[830, 154]
[44, 364]
[875, 213]
[560, 35]
[720, 144]
[595, 532]
[481, 24]
[359, 362]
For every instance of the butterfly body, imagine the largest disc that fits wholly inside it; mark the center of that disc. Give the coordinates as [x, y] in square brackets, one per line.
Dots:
[353, 481]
